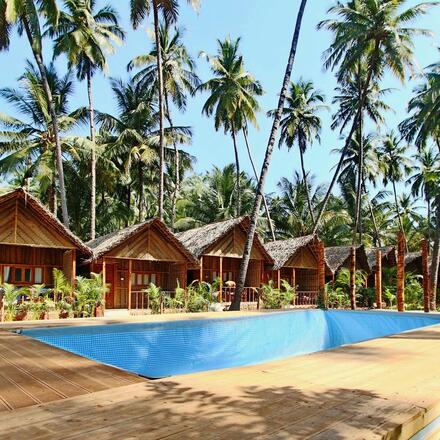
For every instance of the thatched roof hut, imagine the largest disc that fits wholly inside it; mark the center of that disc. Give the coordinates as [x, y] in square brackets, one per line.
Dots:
[216, 239]
[285, 251]
[110, 242]
[389, 256]
[338, 257]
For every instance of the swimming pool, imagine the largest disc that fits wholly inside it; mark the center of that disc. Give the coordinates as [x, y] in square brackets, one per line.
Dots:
[168, 348]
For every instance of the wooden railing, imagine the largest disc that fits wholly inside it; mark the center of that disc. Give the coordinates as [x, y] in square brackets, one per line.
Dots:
[250, 294]
[306, 298]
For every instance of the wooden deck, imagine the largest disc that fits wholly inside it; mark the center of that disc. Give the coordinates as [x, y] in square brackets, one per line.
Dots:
[384, 388]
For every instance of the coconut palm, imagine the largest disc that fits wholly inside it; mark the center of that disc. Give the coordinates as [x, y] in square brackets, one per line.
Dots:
[424, 180]
[132, 138]
[395, 166]
[169, 9]
[301, 123]
[28, 144]
[375, 33]
[266, 162]
[179, 80]
[87, 37]
[232, 100]
[26, 14]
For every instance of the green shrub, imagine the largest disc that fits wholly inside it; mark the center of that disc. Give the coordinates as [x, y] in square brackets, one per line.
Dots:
[413, 291]
[274, 298]
[10, 294]
[89, 294]
[366, 296]
[338, 298]
[199, 296]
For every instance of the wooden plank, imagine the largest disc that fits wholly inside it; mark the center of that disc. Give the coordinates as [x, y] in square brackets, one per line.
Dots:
[401, 245]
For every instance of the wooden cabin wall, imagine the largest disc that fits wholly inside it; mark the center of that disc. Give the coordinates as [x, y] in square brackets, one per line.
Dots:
[177, 273]
[32, 257]
[307, 280]
[253, 278]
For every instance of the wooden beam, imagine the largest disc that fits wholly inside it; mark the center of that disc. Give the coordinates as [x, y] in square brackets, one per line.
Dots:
[104, 279]
[201, 270]
[401, 272]
[353, 278]
[130, 262]
[321, 273]
[221, 280]
[279, 278]
[425, 271]
[73, 274]
[15, 220]
[378, 279]
[293, 283]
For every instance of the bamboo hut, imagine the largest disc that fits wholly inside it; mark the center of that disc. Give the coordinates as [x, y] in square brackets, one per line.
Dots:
[339, 257]
[133, 258]
[297, 261]
[33, 242]
[218, 248]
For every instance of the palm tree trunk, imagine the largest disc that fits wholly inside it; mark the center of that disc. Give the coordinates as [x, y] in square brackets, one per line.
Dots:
[59, 159]
[435, 257]
[266, 163]
[176, 164]
[357, 227]
[347, 141]
[141, 191]
[93, 156]
[237, 172]
[161, 109]
[373, 218]
[266, 207]
[302, 148]
[399, 217]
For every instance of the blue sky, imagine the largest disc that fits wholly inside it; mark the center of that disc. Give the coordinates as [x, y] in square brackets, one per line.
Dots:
[266, 29]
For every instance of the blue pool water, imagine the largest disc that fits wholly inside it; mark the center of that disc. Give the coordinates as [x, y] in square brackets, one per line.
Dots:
[179, 347]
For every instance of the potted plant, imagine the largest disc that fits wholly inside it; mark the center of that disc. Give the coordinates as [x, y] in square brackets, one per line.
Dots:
[9, 301]
[64, 308]
[21, 311]
[90, 295]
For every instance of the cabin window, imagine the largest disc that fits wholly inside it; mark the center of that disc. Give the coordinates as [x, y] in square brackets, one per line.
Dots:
[38, 276]
[153, 278]
[139, 279]
[22, 275]
[133, 279]
[6, 274]
[146, 279]
[214, 276]
[142, 279]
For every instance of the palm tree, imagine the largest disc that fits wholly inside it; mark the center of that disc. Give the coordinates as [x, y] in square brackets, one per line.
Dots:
[349, 93]
[232, 98]
[86, 36]
[424, 180]
[26, 15]
[179, 80]
[301, 123]
[266, 162]
[395, 166]
[375, 33]
[132, 138]
[139, 10]
[28, 144]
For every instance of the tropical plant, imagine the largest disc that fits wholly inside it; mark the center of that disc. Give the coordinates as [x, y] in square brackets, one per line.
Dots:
[155, 298]
[139, 10]
[87, 36]
[266, 163]
[232, 100]
[274, 298]
[10, 294]
[89, 294]
[376, 34]
[61, 286]
[301, 123]
[26, 15]
[179, 80]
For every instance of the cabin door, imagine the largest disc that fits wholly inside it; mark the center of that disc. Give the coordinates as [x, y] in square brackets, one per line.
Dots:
[110, 280]
[121, 292]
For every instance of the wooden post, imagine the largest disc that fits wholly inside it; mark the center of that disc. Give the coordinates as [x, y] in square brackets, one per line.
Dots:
[353, 278]
[73, 274]
[279, 278]
[321, 273]
[221, 280]
[104, 279]
[378, 279]
[201, 270]
[294, 285]
[425, 271]
[400, 272]
[130, 262]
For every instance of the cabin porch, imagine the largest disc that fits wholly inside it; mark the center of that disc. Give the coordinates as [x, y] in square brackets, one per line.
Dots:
[128, 278]
[227, 270]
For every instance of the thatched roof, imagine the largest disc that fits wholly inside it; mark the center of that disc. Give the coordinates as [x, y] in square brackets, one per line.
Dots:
[199, 240]
[389, 256]
[47, 218]
[283, 250]
[102, 245]
[338, 257]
